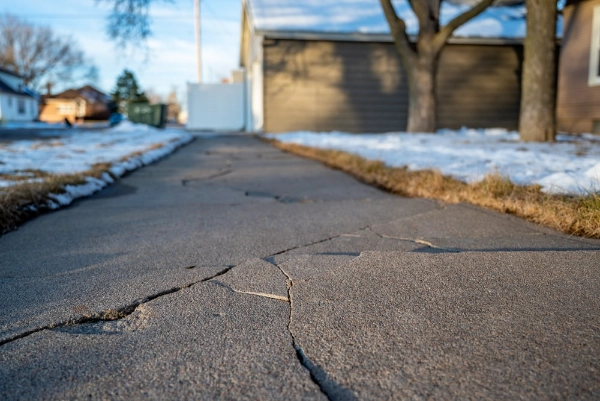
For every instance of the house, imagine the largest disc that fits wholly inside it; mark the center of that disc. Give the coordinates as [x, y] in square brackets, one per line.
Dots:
[76, 105]
[578, 98]
[332, 65]
[17, 102]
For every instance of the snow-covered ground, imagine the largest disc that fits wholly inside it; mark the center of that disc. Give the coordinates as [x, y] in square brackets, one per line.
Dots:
[31, 125]
[571, 165]
[125, 147]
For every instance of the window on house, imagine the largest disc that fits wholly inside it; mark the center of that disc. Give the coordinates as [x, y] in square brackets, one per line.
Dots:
[594, 77]
[21, 106]
[65, 109]
[10, 101]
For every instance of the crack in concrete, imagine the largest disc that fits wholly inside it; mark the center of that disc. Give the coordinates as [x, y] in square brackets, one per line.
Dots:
[413, 240]
[210, 177]
[309, 244]
[285, 199]
[258, 294]
[111, 314]
[330, 389]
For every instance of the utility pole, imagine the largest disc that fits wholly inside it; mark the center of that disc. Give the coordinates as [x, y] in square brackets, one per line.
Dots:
[198, 40]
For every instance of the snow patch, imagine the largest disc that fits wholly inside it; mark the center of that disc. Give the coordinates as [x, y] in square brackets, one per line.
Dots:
[571, 165]
[81, 150]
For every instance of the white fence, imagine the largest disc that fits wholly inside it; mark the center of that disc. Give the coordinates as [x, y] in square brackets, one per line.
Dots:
[216, 107]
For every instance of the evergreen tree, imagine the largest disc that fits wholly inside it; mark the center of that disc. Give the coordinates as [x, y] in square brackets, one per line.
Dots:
[127, 91]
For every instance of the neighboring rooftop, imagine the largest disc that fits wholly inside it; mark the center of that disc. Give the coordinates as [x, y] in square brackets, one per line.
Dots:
[87, 92]
[9, 72]
[5, 88]
[366, 16]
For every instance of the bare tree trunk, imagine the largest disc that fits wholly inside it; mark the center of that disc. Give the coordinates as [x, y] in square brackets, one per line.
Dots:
[537, 121]
[422, 101]
[421, 62]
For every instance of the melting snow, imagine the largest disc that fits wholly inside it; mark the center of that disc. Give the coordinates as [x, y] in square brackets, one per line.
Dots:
[571, 165]
[80, 150]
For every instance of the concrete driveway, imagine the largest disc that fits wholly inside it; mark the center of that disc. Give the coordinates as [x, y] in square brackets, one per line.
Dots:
[231, 270]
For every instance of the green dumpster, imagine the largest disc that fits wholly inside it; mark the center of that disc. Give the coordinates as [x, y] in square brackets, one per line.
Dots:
[150, 114]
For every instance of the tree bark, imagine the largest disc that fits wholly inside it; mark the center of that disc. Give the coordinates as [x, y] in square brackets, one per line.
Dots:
[537, 121]
[422, 101]
[421, 63]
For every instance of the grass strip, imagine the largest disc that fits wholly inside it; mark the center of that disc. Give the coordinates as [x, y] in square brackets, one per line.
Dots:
[576, 215]
[21, 202]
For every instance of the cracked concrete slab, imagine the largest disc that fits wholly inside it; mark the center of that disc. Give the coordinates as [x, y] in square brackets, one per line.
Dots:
[202, 343]
[257, 277]
[339, 289]
[469, 228]
[103, 253]
[356, 242]
[501, 325]
[31, 303]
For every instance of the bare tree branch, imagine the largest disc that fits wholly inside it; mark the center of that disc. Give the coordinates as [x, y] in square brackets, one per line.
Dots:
[444, 34]
[129, 22]
[38, 55]
[398, 30]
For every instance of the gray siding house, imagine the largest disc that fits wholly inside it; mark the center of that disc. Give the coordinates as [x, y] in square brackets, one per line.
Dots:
[309, 68]
[578, 103]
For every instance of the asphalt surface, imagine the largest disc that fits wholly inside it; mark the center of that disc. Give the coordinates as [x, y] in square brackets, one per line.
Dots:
[230, 270]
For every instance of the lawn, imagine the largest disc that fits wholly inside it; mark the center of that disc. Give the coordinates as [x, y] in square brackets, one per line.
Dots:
[45, 174]
[555, 185]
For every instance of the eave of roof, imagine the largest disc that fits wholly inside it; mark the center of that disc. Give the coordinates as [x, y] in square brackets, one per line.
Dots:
[4, 88]
[374, 37]
[9, 72]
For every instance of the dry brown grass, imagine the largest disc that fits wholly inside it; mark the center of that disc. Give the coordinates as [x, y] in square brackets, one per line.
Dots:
[22, 202]
[141, 152]
[24, 175]
[576, 215]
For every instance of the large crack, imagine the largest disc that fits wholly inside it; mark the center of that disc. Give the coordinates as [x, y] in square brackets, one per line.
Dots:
[332, 390]
[278, 198]
[413, 240]
[258, 294]
[185, 182]
[309, 244]
[111, 314]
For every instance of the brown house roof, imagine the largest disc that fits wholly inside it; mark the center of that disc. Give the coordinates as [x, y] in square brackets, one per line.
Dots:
[87, 92]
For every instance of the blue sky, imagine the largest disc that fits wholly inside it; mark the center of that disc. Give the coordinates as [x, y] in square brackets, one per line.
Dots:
[171, 59]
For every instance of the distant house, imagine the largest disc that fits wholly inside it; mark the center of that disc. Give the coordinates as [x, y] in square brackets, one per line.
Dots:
[17, 102]
[332, 65]
[578, 103]
[76, 105]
